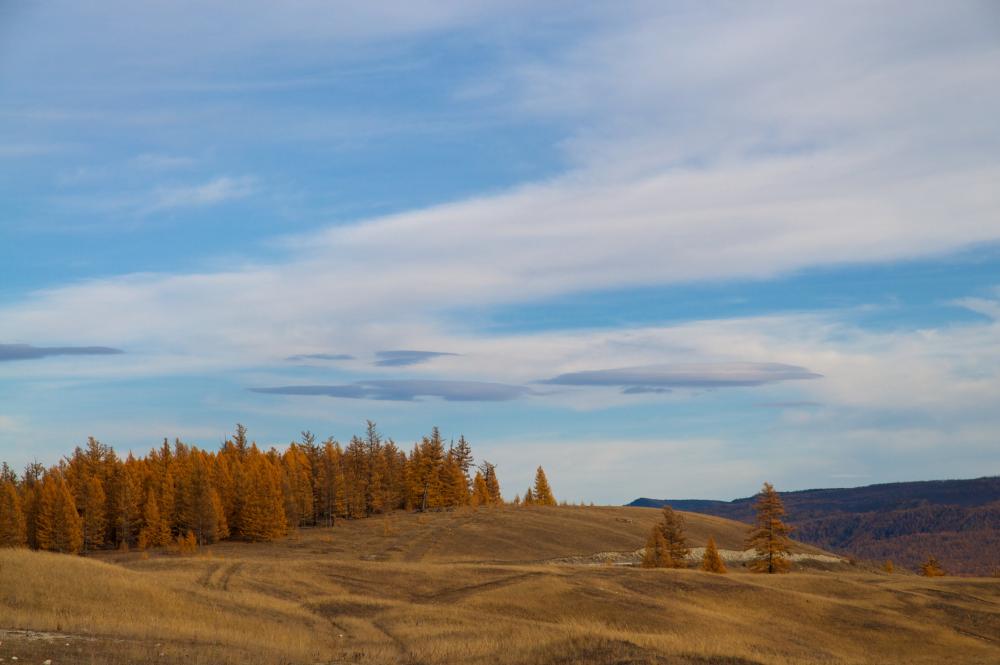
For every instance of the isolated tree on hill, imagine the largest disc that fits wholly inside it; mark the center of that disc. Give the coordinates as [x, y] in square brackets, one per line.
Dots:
[888, 566]
[931, 568]
[657, 553]
[543, 493]
[711, 561]
[672, 528]
[769, 534]
[12, 525]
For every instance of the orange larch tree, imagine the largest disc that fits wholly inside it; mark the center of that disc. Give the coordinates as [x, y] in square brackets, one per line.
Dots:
[60, 528]
[543, 492]
[769, 534]
[13, 532]
[657, 552]
[672, 527]
[711, 561]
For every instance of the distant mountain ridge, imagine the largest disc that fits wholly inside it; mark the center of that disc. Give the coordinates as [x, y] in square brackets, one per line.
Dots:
[956, 520]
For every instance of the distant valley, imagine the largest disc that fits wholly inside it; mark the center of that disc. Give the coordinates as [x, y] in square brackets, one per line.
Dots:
[956, 520]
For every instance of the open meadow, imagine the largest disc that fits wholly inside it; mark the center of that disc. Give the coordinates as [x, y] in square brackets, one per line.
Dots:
[500, 585]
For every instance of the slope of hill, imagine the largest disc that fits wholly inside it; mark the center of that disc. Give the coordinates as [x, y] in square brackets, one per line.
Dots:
[473, 587]
[956, 520]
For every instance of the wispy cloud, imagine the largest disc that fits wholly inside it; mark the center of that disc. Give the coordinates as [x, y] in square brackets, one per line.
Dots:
[20, 150]
[319, 356]
[211, 193]
[408, 390]
[9, 352]
[656, 378]
[793, 404]
[403, 358]
[151, 161]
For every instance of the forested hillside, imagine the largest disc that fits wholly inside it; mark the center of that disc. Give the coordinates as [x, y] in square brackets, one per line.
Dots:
[182, 495]
[956, 520]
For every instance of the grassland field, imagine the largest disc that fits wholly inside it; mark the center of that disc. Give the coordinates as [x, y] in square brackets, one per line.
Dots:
[499, 585]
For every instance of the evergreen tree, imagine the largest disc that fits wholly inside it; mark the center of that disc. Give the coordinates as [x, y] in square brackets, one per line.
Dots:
[931, 568]
[13, 532]
[657, 553]
[769, 534]
[543, 493]
[529, 497]
[711, 561]
[672, 527]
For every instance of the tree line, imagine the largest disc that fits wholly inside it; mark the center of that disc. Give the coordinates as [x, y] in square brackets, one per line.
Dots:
[184, 496]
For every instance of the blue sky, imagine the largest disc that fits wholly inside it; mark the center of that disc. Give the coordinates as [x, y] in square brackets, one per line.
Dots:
[664, 249]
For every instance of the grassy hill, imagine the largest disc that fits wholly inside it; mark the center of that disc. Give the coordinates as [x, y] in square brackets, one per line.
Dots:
[956, 520]
[479, 587]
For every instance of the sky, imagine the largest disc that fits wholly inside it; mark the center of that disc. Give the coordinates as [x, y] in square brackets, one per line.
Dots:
[663, 249]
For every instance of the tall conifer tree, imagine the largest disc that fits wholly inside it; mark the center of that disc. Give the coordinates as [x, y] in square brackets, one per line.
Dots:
[60, 528]
[769, 534]
[672, 527]
[543, 493]
[13, 532]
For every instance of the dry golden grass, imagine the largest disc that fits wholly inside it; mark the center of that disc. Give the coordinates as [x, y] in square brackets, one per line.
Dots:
[474, 587]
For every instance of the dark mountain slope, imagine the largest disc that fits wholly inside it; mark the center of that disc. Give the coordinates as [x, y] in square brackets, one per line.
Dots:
[956, 520]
